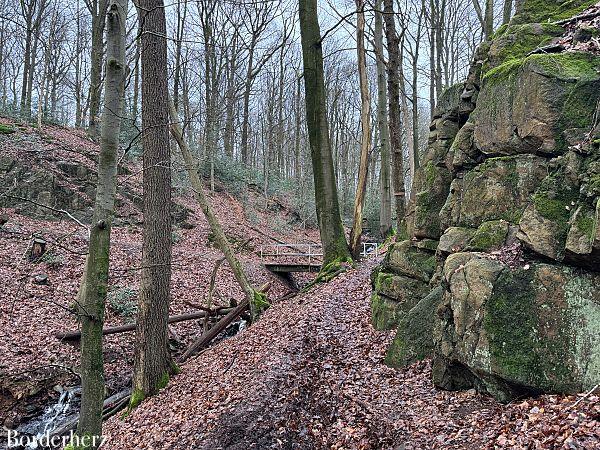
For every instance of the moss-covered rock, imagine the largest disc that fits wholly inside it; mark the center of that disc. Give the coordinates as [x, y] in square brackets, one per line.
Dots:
[407, 260]
[455, 239]
[498, 189]
[463, 151]
[549, 10]
[532, 105]
[545, 223]
[582, 236]
[393, 297]
[414, 339]
[432, 184]
[520, 331]
[518, 40]
[490, 236]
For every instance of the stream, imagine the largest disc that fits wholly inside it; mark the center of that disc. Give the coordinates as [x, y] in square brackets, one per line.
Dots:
[33, 433]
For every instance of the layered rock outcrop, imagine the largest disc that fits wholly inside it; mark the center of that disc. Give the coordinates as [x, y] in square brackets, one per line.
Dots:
[500, 282]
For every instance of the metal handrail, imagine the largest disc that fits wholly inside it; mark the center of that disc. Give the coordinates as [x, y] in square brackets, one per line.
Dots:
[368, 249]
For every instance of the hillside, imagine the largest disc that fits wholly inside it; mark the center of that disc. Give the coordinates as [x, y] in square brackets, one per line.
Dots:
[32, 360]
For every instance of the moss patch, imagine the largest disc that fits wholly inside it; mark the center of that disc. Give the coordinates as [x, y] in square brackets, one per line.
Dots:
[550, 10]
[489, 236]
[6, 129]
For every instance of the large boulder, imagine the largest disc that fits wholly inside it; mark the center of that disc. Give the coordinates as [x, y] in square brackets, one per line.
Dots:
[498, 189]
[513, 332]
[400, 282]
[537, 104]
[414, 337]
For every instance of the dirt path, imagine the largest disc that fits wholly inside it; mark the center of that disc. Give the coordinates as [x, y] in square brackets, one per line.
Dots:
[309, 375]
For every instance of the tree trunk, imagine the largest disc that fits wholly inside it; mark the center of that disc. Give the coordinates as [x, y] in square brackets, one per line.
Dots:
[333, 239]
[213, 222]
[395, 124]
[246, 111]
[98, 11]
[385, 212]
[506, 11]
[92, 293]
[153, 364]
[365, 117]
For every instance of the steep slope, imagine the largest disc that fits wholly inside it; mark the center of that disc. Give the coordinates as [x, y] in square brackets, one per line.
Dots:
[34, 167]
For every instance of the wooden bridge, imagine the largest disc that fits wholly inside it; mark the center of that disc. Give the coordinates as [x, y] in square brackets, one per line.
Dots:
[301, 257]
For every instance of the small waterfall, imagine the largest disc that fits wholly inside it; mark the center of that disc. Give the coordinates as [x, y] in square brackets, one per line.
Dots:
[53, 417]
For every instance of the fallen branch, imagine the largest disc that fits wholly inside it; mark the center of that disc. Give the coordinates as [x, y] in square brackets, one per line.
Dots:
[76, 335]
[213, 332]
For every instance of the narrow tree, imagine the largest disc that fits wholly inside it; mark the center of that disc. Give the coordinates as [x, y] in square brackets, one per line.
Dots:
[506, 11]
[365, 122]
[97, 10]
[255, 299]
[486, 17]
[333, 239]
[395, 125]
[153, 364]
[385, 212]
[92, 293]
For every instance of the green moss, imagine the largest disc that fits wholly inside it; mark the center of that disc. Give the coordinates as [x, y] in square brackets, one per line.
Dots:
[567, 65]
[385, 312]
[585, 224]
[550, 10]
[518, 41]
[259, 304]
[137, 397]
[489, 236]
[510, 325]
[164, 380]
[503, 72]
[5, 129]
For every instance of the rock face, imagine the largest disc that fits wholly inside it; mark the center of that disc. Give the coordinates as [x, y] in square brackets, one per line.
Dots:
[512, 168]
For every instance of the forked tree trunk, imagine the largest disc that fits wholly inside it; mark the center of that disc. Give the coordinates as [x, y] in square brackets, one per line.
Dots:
[395, 124]
[153, 363]
[92, 293]
[365, 122]
[333, 239]
[385, 213]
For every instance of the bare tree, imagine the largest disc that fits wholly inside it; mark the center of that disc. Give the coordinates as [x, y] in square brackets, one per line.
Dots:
[94, 283]
[153, 364]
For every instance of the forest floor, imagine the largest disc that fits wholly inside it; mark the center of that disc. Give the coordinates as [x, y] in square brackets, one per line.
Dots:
[309, 375]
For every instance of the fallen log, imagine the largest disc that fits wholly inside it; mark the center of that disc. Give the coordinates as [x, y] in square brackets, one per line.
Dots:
[75, 335]
[214, 331]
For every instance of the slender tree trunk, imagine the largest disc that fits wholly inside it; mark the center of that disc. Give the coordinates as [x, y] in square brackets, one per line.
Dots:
[506, 11]
[92, 293]
[153, 364]
[489, 20]
[365, 121]
[395, 124]
[385, 212]
[98, 11]
[246, 112]
[333, 239]
[252, 296]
